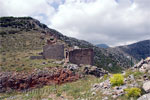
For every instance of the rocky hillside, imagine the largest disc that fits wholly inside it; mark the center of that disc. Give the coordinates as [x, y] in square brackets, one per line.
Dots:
[48, 79]
[137, 51]
[26, 33]
[136, 83]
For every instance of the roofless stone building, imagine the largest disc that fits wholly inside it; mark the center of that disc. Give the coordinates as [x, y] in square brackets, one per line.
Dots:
[80, 56]
[54, 50]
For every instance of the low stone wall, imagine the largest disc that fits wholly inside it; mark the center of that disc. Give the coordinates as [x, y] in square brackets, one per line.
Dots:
[36, 57]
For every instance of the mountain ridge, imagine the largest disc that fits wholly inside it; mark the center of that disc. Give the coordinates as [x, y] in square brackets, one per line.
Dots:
[137, 51]
[102, 46]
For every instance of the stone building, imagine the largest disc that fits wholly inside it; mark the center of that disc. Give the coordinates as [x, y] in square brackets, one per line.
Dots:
[80, 56]
[55, 51]
[76, 55]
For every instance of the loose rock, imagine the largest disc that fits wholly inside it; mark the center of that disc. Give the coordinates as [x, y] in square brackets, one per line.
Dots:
[144, 97]
[146, 86]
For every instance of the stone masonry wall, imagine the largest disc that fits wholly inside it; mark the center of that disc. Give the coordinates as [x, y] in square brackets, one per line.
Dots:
[81, 56]
[53, 51]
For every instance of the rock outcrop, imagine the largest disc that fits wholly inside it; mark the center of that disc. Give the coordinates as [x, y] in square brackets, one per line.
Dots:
[143, 65]
[106, 89]
[86, 69]
[72, 67]
[22, 81]
[93, 70]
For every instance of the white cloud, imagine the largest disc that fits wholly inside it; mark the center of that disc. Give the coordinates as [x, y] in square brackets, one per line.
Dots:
[36, 8]
[104, 21]
[97, 21]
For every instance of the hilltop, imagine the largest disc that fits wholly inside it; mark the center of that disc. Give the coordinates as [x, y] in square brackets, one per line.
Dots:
[20, 34]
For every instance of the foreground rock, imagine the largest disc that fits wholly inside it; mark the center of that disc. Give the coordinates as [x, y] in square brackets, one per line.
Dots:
[107, 89]
[86, 69]
[93, 70]
[143, 65]
[146, 86]
[144, 97]
[22, 81]
[114, 91]
[72, 67]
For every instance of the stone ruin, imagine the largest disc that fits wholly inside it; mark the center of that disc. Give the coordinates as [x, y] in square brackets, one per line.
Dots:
[80, 56]
[53, 51]
[76, 55]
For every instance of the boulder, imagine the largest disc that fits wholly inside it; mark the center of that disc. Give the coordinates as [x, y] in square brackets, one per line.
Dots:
[93, 93]
[142, 70]
[144, 97]
[143, 65]
[110, 65]
[146, 86]
[138, 65]
[72, 67]
[93, 70]
[147, 59]
[131, 77]
[105, 98]
[145, 68]
[148, 66]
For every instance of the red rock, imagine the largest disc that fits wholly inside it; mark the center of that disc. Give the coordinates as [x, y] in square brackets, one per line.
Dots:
[22, 81]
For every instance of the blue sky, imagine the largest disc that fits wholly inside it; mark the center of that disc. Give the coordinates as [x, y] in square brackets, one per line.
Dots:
[56, 4]
[114, 22]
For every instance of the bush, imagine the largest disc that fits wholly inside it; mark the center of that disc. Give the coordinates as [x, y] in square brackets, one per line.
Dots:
[129, 72]
[105, 76]
[117, 80]
[133, 92]
[58, 94]
[137, 73]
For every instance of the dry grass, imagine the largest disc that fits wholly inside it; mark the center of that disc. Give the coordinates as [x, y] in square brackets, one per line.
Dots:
[20, 61]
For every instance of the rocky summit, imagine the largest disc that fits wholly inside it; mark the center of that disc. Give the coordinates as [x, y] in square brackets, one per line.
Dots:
[40, 63]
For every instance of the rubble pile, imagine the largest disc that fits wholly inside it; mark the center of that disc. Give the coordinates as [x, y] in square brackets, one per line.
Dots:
[87, 69]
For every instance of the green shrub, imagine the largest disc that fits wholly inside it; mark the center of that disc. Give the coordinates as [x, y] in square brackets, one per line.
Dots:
[129, 72]
[58, 94]
[66, 87]
[117, 80]
[137, 73]
[105, 76]
[133, 92]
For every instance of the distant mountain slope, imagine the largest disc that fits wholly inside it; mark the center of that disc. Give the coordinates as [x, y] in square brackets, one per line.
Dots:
[26, 33]
[137, 51]
[102, 45]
